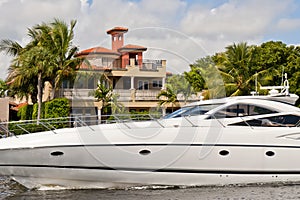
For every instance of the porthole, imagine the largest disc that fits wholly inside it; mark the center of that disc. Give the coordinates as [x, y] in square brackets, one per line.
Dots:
[145, 152]
[224, 152]
[270, 153]
[56, 153]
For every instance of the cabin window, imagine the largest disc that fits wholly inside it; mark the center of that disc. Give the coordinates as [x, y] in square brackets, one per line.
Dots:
[192, 111]
[274, 121]
[240, 110]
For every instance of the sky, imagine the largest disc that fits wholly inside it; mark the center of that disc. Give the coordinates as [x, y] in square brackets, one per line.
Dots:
[179, 31]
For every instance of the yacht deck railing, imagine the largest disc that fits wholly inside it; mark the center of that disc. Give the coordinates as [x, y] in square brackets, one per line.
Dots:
[16, 128]
[8, 129]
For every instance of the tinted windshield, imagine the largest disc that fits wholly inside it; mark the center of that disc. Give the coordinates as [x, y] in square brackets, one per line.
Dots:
[192, 110]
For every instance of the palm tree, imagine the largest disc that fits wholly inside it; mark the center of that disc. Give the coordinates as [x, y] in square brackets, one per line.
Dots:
[168, 97]
[20, 81]
[180, 86]
[234, 68]
[38, 62]
[109, 100]
[60, 43]
[48, 56]
[3, 88]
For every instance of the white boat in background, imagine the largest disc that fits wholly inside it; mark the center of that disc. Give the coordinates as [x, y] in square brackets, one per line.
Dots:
[236, 140]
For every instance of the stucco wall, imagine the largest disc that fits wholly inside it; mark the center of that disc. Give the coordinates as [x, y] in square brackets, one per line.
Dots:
[4, 109]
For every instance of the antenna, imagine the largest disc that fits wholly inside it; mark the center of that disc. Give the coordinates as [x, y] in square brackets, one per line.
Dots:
[282, 75]
[256, 82]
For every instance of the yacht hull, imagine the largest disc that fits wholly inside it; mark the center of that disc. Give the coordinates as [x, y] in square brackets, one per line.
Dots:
[81, 158]
[39, 178]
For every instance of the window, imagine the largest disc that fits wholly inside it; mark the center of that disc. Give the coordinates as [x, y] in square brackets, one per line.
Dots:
[275, 121]
[91, 83]
[192, 110]
[146, 85]
[143, 85]
[140, 85]
[240, 110]
[65, 84]
[126, 83]
[156, 83]
[81, 82]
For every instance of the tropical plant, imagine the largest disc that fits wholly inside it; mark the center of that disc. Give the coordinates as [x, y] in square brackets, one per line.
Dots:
[234, 68]
[58, 40]
[47, 57]
[3, 88]
[181, 86]
[197, 76]
[109, 100]
[167, 96]
[205, 77]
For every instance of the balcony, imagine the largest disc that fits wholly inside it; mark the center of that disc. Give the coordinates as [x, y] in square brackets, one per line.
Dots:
[137, 95]
[123, 95]
[84, 94]
[146, 95]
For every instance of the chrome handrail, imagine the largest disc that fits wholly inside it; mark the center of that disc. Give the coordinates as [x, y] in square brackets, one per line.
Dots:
[25, 126]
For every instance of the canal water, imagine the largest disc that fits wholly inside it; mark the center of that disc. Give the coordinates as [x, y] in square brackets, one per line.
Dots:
[12, 190]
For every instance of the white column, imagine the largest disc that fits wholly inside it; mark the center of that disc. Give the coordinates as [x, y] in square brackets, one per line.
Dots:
[132, 83]
[163, 83]
[164, 111]
[99, 115]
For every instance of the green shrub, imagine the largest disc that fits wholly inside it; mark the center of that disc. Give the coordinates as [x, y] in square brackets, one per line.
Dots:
[25, 112]
[35, 111]
[56, 108]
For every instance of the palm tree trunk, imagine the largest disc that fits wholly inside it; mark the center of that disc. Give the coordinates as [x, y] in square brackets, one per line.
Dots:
[40, 96]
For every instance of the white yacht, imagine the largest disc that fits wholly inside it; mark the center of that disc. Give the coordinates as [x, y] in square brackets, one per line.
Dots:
[237, 140]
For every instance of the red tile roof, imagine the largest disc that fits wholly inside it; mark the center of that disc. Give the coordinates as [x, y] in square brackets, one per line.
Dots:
[18, 106]
[97, 50]
[117, 29]
[132, 47]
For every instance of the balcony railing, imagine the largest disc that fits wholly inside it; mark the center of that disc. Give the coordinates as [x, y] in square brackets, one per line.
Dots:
[77, 93]
[149, 95]
[123, 94]
[138, 95]
[147, 64]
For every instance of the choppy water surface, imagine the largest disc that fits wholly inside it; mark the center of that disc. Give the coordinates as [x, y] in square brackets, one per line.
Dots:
[11, 190]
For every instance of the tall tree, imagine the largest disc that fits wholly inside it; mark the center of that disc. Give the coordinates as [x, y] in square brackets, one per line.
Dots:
[20, 81]
[205, 77]
[3, 88]
[234, 68]
[61, 47]
[196, 76]
[48, 56]
[181, 86]
[270, 60]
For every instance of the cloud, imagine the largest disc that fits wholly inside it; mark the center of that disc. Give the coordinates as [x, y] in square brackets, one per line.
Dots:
[288, 24]
[179, 31]
[18, 15]
[233, 20]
